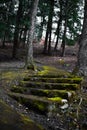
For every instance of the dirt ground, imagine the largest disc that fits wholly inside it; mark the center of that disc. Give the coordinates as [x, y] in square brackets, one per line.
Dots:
[67, 62]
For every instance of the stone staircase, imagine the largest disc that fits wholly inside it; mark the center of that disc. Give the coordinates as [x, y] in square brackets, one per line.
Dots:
[47, 90]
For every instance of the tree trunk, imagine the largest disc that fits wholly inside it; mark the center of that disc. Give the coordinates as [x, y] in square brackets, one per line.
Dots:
[46, 39]
[64, 39]
[50, 25]
[24, 36]
[65, 29]
[58, 26]
[29, 63]
[16, 33]
[47, 46]
[58, 32]
[82, 54]
[41, 28]
[3, 42]
[20, 36]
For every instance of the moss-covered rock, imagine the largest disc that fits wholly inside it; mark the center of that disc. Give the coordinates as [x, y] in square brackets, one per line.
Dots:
[11, 120]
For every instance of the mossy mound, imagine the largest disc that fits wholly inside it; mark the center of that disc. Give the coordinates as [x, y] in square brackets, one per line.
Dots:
[47, 71]
[11, 120]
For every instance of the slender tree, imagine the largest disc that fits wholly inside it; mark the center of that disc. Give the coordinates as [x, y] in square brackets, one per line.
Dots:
[16, 33]
[50, 26]
[58, 26]
[29, 63]
[42, 13]
[47, 44]
[82, 55]
[65, 28]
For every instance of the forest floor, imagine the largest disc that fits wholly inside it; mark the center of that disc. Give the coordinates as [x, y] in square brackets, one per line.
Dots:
[67, 62]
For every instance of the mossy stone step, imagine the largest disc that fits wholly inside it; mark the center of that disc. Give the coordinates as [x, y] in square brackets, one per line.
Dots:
[44, 85]
[50, 76]
[39, 104]
[76, 80]
[19, 89]
[52, 93]
[44, 92]
[48, 71]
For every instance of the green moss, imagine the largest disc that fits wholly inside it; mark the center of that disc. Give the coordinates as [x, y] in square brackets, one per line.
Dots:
[9, 75]
[45, 85]
[36, 105]
[61, 93]
[51, 71]
[18, 75]
[53, 93]
[40, 105]
[56, 99]
[32, 67]
[54, 80]
[76, 80]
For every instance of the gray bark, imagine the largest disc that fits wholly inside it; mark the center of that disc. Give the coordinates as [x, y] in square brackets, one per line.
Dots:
[29, 55]
[82, 54]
